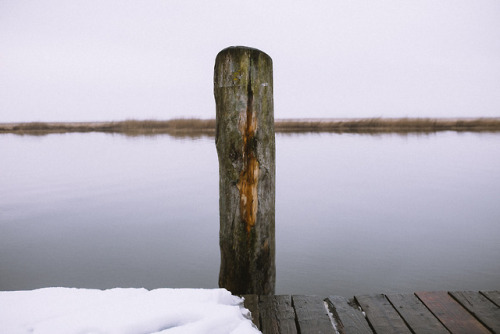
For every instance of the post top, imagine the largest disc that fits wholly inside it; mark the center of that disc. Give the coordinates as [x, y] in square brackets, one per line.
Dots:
[241, 49]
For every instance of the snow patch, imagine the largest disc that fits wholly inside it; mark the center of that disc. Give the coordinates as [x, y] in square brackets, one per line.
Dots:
[123, 311]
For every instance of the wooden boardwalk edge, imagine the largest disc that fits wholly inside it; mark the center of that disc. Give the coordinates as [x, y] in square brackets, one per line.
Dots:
[438, 312]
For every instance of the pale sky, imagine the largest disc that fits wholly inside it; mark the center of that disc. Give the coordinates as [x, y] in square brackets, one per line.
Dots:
[86, 60]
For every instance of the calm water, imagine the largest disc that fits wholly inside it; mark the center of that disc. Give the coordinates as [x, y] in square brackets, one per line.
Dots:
[354, 213]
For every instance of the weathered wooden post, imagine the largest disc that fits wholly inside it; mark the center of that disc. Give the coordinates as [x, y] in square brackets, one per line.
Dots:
[243, 89]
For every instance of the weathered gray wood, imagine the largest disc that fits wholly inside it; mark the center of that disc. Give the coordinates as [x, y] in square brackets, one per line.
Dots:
[251, 303]
[416, 315]
[277, 315]
[381, 314]
[350, 320]
[312, 316]
[494, 296]
[451, 314]
[245, 141]
[481, 307]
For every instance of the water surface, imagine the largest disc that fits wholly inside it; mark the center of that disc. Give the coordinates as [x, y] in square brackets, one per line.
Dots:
[354, 213]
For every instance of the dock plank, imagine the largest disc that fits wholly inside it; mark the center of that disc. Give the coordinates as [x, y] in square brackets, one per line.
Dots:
[381, 314]
[312, 316]
[453, 316]
[481, 307]
[416, 315]
[277, 315]
[350, 320]
[494, 296]
[420, 313]
[251, 303]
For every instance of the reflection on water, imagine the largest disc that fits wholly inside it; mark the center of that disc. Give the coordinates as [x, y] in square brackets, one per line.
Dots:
[354, 213]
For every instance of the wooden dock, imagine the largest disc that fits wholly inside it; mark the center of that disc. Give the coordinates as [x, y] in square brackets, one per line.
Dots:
[455, 312]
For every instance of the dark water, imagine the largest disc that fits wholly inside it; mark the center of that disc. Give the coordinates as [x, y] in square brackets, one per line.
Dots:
[354, 213]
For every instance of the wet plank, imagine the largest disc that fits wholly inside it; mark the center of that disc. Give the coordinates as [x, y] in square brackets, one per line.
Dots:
[453, 316]
[350, 320]
[277, 315]
[416, 315]
[494, 296]
[481, 307]
[312, 316]
[251, 303]
[381, 315]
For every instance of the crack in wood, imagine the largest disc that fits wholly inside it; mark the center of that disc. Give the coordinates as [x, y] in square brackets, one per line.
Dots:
[249, 176]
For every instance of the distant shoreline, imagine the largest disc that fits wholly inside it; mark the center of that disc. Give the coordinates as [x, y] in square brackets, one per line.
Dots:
[199, 127]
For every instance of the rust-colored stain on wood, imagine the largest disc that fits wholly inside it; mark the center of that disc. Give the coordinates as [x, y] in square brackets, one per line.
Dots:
[249, 176]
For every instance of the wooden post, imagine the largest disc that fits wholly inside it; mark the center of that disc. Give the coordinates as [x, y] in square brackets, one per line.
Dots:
[243, 89]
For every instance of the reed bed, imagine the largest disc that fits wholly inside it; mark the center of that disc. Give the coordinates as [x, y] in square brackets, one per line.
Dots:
[181, 127]
[191, 127]
[390, 125]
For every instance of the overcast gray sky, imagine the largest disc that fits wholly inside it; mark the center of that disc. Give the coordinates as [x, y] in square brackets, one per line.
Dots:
[84, 60]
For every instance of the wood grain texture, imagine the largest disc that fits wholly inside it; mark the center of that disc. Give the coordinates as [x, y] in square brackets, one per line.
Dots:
[245, 142]
[277, 315]
[416, 315]
[350, 320]
[312, 316]
[481, 307]
[451, 314]
[494, 296]
[381, 314]
[251, 303]
[420, 313]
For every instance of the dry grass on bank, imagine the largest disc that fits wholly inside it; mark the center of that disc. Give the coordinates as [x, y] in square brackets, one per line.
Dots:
[199, 127]
[390, 125]
[128, 127]
[169, 127]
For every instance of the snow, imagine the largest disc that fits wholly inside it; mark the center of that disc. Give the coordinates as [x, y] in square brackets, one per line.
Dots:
[124, 311]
